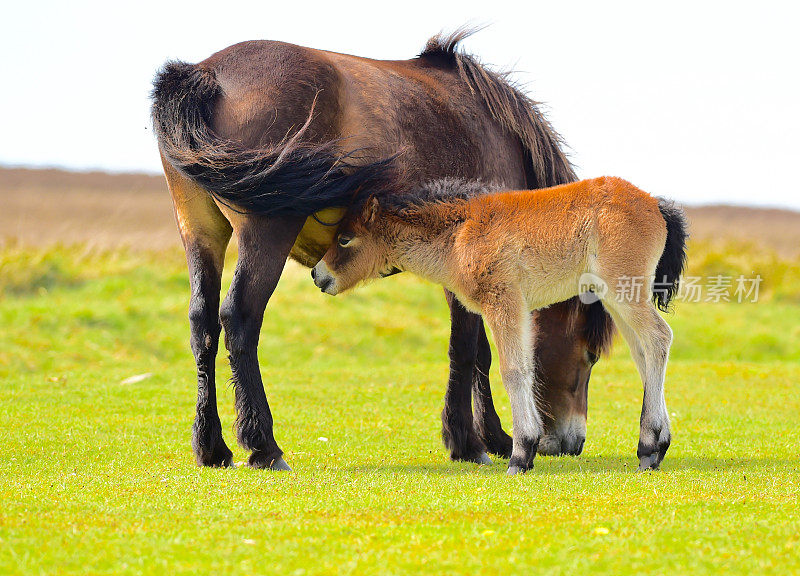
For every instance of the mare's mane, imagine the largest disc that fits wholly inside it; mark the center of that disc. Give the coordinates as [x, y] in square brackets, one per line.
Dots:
[546, 164]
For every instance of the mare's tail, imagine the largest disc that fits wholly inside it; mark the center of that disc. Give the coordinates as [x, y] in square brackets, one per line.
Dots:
[291, 177]
[673, 259]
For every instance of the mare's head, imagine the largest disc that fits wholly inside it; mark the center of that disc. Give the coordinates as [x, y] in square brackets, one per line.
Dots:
[361, 251]
[566, 359]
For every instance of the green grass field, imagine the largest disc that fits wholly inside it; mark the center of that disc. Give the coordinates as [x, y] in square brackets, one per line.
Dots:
[98, 475]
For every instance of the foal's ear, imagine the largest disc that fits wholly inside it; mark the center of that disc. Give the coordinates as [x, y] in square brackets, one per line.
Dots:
[371, 209]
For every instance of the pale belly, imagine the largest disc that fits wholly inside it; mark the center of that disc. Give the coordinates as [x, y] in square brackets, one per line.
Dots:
[546, 288]
[316, 236]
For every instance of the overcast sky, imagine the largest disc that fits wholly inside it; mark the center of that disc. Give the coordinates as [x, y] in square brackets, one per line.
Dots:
[693, 100]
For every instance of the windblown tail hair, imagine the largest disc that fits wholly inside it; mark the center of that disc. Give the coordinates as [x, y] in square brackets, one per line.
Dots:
[673, 259]
[291, 177]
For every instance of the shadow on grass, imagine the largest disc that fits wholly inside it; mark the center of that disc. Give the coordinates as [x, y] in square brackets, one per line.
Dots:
[589, 464]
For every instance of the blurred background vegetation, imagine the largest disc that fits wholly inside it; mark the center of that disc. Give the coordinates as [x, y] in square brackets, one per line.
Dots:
[64, 227]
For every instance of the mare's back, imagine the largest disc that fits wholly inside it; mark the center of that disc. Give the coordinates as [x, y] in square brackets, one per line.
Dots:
[420, 107]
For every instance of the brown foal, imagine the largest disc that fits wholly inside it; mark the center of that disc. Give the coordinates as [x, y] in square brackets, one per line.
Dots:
[507, 253]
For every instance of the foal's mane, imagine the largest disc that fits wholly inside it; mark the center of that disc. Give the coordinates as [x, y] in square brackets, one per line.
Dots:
[442, 192]
[546, 165]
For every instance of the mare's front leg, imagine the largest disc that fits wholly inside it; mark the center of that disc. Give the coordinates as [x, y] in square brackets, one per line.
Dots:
[264, 245]
[458, 431]
[509, 321]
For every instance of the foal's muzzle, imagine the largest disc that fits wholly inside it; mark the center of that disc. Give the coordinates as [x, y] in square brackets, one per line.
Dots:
[323, 279]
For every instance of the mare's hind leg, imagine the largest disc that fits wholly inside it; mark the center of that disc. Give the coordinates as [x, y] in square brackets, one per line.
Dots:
[205, 233]
[649, 338]
[458, 432]
[264, 245]
[487, 422]
[205, 270]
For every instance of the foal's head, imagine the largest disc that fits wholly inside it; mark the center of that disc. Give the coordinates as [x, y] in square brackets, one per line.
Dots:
[374, 239]
[362, 251]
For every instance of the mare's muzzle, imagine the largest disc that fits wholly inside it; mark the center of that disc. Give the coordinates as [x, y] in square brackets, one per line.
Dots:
[565, 437]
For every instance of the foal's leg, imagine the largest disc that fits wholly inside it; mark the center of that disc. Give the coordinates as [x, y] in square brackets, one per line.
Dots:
[458, 432]
[487, 422]
[264, 244]
[649, 338]
[509, 321]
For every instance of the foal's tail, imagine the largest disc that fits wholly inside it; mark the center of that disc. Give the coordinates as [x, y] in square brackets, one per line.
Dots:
[292, 177]
[673, 259]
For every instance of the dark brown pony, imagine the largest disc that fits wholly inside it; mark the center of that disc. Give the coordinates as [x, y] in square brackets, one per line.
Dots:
[271, 141]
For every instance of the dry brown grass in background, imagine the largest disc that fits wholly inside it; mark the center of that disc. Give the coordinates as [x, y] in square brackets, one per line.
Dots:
[778, 230]
[39, 208]
[42, 208]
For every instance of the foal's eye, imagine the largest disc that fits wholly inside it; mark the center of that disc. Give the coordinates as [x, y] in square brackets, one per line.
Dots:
[344, 241]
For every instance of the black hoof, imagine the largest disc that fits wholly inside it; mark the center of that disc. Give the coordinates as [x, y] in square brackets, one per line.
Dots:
[210, 449]
[280, 465]
[463, 444]
[483, 459]
[523, 461]
[648, 462]
[651, 456]
[262, 461]
[222, 457]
